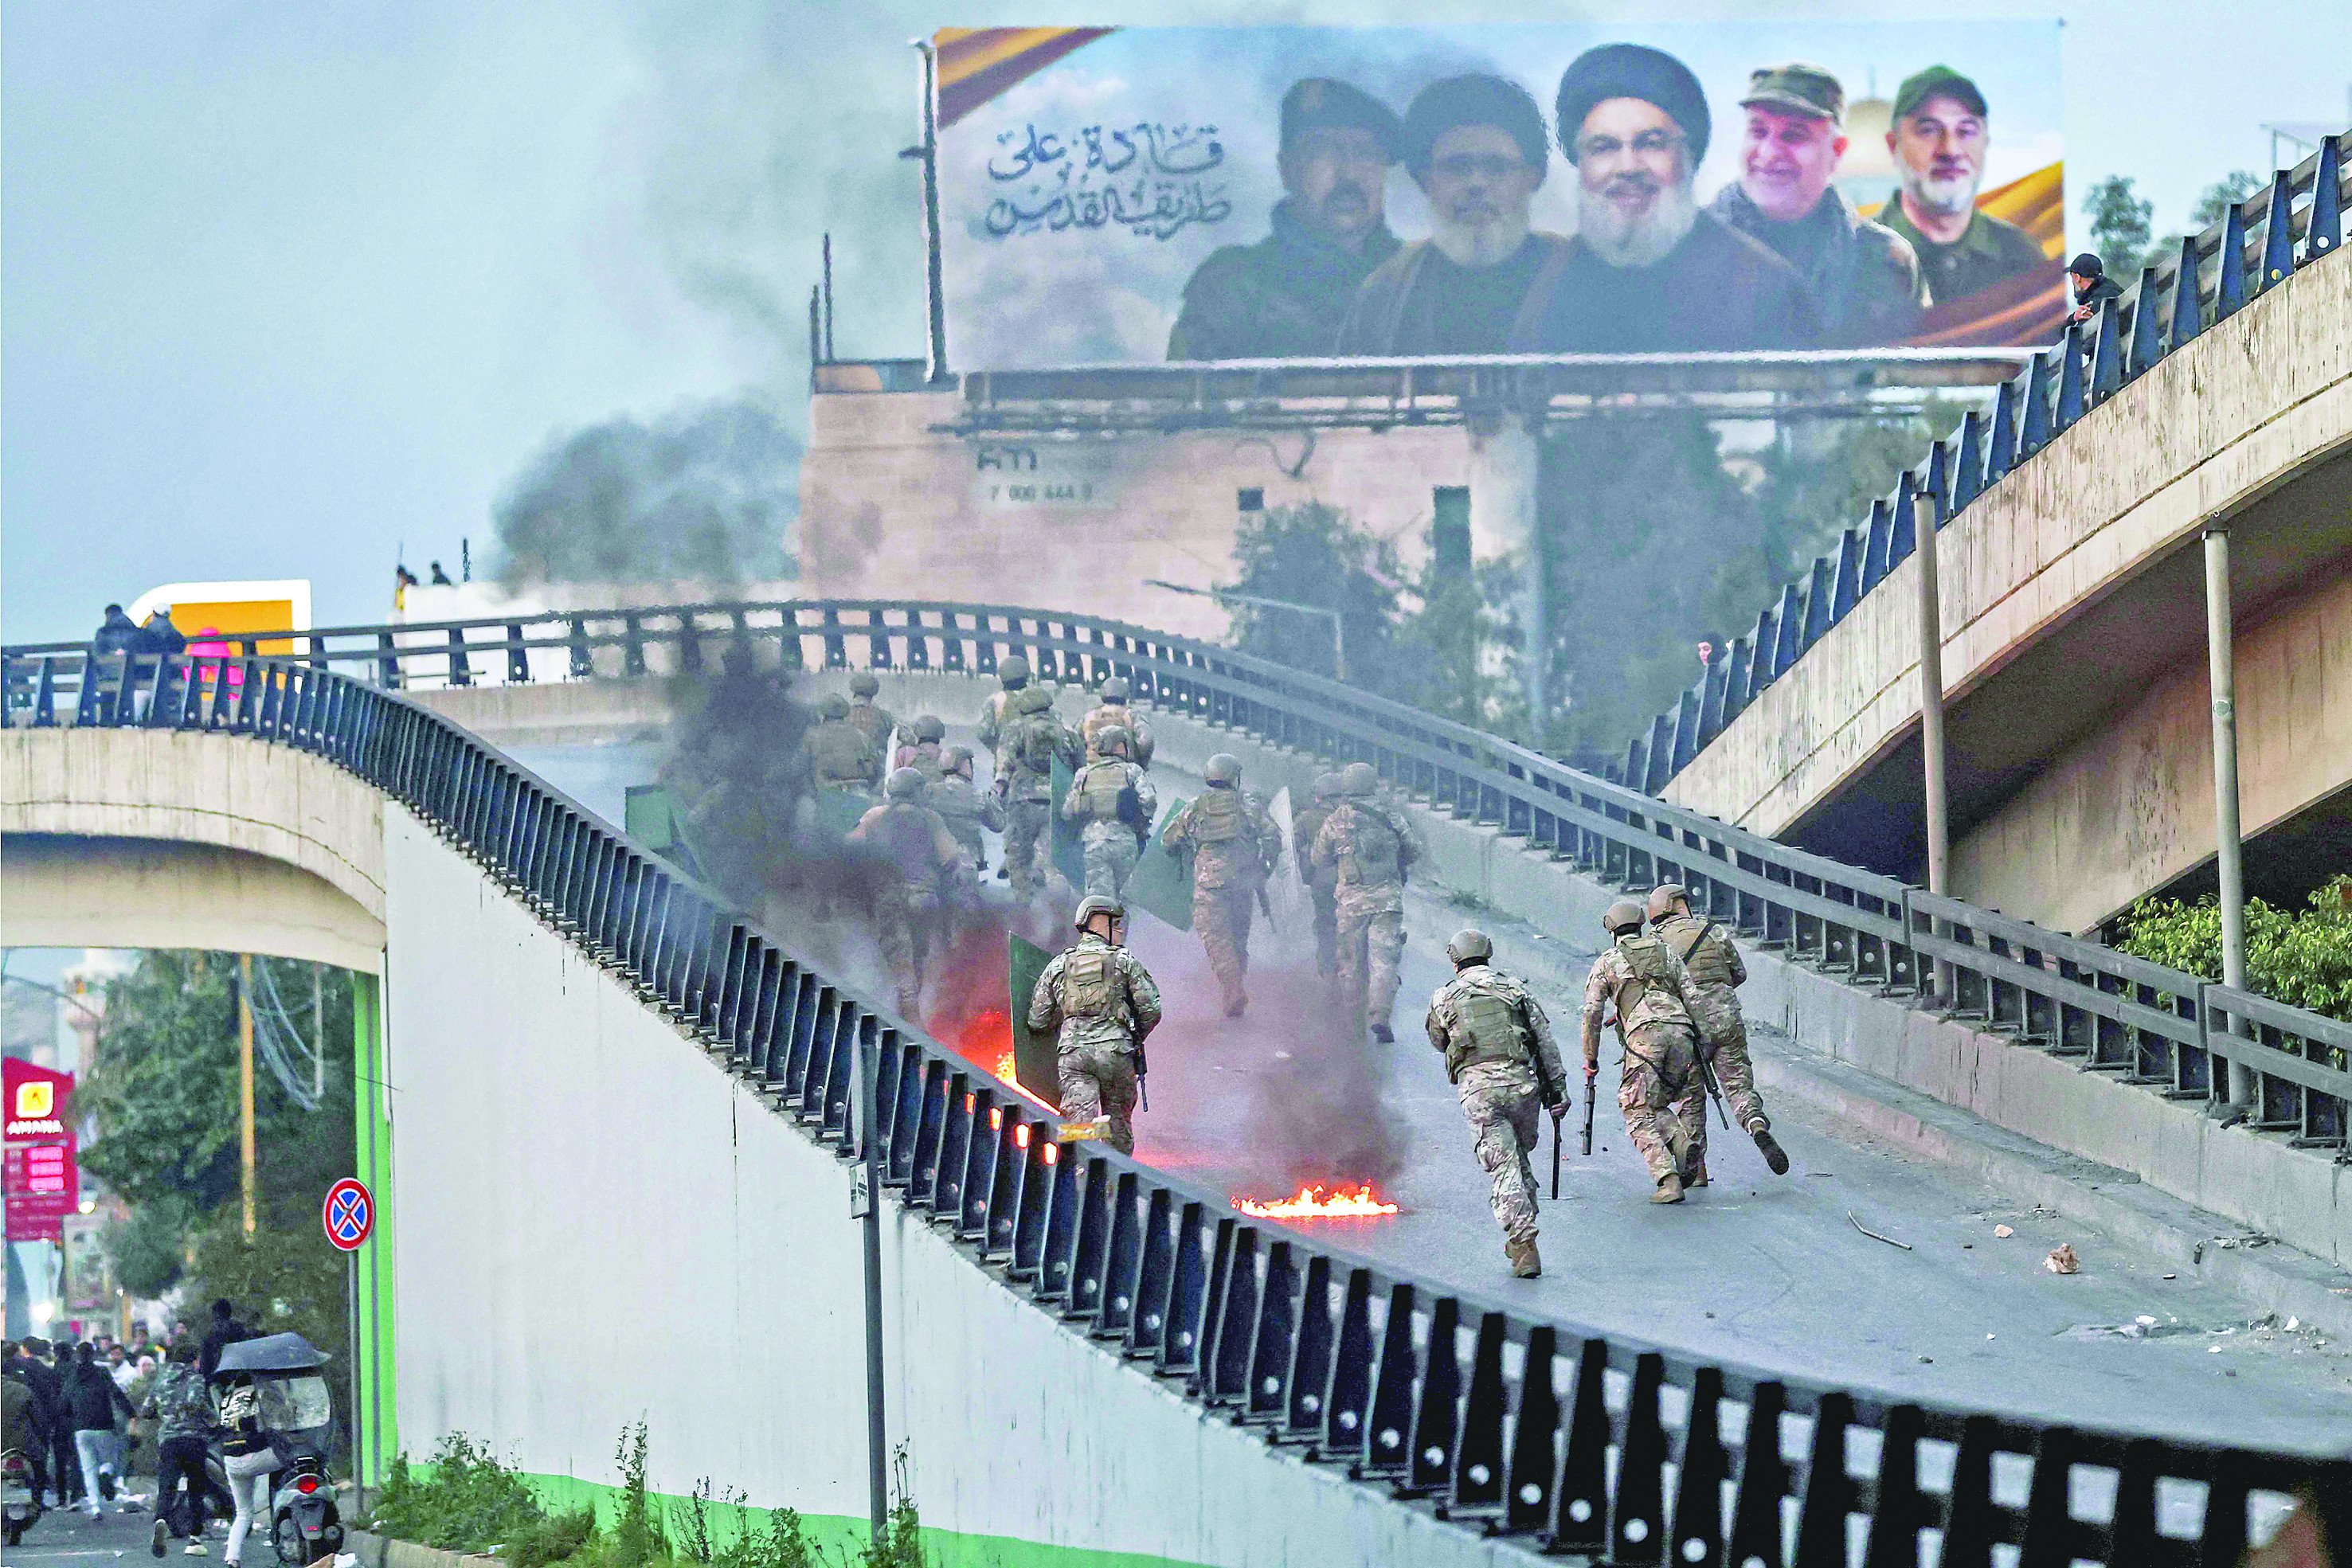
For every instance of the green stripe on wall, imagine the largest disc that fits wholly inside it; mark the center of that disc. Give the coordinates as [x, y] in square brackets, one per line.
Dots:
[378, 1427]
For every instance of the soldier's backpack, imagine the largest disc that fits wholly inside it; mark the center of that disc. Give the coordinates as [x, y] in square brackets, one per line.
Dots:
[1219, 817]
[1648, 959]
[1101, 785]
[1090, 984]
[1036, 741]
[1495, 1026]
[1375, 851]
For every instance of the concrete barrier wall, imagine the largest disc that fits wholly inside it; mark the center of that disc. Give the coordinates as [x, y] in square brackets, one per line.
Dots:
[599, 1225]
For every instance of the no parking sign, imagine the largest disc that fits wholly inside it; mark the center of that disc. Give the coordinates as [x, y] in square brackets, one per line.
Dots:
[349, 1214]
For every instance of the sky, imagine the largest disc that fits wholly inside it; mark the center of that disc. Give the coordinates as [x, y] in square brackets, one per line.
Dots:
[290, 286]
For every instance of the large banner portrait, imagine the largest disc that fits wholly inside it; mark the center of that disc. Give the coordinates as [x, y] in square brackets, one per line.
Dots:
[1125, 195]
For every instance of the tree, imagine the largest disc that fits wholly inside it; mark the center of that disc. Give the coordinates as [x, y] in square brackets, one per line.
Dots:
[2302, 959]
[2222, 194]
[1309, 554]
[2119, 221]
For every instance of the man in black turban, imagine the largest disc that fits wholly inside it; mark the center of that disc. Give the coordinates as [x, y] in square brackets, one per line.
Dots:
[1475, 146]
[1648, 271]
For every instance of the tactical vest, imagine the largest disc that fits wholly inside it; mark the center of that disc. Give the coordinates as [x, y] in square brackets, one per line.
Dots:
[840, 753]
[1099, 785]
[1648, 959]
[904, 836]
[1305, 828]
[1220, 816]
[872, 723]
[1373, 847]
[1092, 984]
[1036, 739]
[1701, 949]
[1110, 715]
[1492, 1028]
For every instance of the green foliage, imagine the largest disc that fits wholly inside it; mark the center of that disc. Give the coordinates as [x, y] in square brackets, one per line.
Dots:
[285, 1278]
[466, 1501]
[2119, 221]
[149, 1248]
[557, 1538]
[2223, 193]
[1308, 554]
[2302, 959]
[637, 1539]
[163, 1090]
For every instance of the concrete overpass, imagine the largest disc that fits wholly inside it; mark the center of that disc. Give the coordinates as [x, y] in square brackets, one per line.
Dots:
[541, 971]
[2072, 611]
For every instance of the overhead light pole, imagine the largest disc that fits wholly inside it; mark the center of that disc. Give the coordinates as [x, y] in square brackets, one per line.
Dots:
[1336, 618]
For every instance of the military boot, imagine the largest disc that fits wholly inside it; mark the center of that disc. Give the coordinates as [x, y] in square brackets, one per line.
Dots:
[1694, 1176]
[1768, 1146]
[1526, 1263]
[1384, 1034]
[1670, 1189]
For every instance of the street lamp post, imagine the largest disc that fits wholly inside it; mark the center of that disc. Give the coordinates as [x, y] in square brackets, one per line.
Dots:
[1337, 618]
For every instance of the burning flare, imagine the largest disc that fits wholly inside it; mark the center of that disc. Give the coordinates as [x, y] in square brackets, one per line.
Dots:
[1314, 1203]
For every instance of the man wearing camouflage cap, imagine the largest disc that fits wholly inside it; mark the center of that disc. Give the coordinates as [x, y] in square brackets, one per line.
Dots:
[1717, 972]
[1863, 277]
[1368, 846]
[1660, 1092]
[1500, 1058]
[877, 725]
[1112, 713]
[1233, 846]
[1939, 139]
[1321, 883]
[1284, 297]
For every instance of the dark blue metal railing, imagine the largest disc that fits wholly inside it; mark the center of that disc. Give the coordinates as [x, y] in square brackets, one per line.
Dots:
[1356, 1362]
[2295, 222]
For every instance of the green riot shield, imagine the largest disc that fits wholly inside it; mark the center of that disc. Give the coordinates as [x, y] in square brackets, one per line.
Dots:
[1162, 883]
[1035, 1058]
[1069, 853]
[837, 810]
[651, 817]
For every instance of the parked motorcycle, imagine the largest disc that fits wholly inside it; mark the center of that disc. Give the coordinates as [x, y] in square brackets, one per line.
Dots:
[297, 1415]
[20, 1504]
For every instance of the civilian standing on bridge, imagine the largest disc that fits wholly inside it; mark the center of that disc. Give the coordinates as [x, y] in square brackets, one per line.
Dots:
[1717, 973]
[1501, 1060]
[1100, 1003]
[1660, 1092]
[1369, 845]
[1233, 847]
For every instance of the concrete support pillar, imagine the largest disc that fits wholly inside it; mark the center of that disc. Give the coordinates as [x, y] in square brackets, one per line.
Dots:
[2229, 868]
[1505, 467]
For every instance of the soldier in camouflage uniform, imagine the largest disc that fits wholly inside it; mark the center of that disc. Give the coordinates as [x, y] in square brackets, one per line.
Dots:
[1715, 974]
[1321, 885]
[921, 752]
[1112, 713]
[1100, 1002]
[964, 805]
[1368, 845]
[839, 755]
[1117, 804]
[996, 719]
[877, 725]
[1500, 1058]
[1233, 847]
[918, 868]
[1030, 737]
[1660, 1093]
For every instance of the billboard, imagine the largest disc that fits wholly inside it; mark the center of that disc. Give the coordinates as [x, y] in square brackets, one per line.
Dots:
[37, 1165]
[1128, 195]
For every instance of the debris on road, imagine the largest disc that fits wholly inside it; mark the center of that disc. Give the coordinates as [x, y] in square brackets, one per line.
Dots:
[1874, 1235]
[2003, 1231]
[2062, 1259]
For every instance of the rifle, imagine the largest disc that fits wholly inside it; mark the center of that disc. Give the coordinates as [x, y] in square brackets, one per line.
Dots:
[1265, 904]
[1555, 1157]
[1590, 1097]
[1713, 1090]
[1142, 1076]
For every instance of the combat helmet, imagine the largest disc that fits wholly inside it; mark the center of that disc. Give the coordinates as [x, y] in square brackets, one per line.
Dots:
[904, 784]
[863, 684]
[1032, 699]
[1098, 904]
[835, 706]
[1012, 672]
[1470, 945]
[929, 727]
[1663, 898]
[1359, 779]
[1113, 741]
[1327, 787]
[1224, 767]
[1622, 916]
[955, 758]
[1114, 690]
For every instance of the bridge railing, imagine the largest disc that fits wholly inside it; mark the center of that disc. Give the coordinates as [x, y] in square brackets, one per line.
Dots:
[2295, 221]
[1512, 1422]
[2106, 1011]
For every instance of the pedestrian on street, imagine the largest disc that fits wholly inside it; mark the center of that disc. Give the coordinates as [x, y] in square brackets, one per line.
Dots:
[246, 1454]
[92, 1400]
[182, 1405]
[1501, 1060]
[1660, 1093]
[26, 1367]
[62, 1461]
[225, 1331]
[16, 1406]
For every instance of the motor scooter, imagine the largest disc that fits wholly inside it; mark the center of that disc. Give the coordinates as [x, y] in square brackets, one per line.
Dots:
[20, 1507]
[297, 1415]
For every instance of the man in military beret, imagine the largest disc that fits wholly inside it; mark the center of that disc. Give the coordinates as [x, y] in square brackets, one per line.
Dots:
[1863, 277]
[1939, 139]
[1477, 147]
[1284, 297]
[1649, 272]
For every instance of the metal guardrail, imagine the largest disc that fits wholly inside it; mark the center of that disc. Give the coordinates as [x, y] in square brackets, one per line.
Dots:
[2251, 250]
[1506, 1422]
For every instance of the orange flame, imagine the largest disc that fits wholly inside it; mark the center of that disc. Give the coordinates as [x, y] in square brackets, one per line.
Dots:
[1314, 1203]
[1008, 1070]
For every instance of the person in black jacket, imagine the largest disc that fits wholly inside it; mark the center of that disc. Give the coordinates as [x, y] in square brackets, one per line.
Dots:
[91, 1399]
[61, 1426]
[225, 1332]
[21, 1366]
[116, 634]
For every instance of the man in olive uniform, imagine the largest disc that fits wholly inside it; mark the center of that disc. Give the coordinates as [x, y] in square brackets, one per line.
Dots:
[921, 751]
[964, 805]
[1501, 1060]
[877, 725]
[1117, 804]
[1031, 738]
[1320, 882]
[1100, 1003]
[1660, 1092]
[1233, 847]
[1368, 845]
[840, 756]
[917, 866]
[1939, 139]
[1112, 713]
[1013, 676]
[1284, 297]
[1716, 973]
